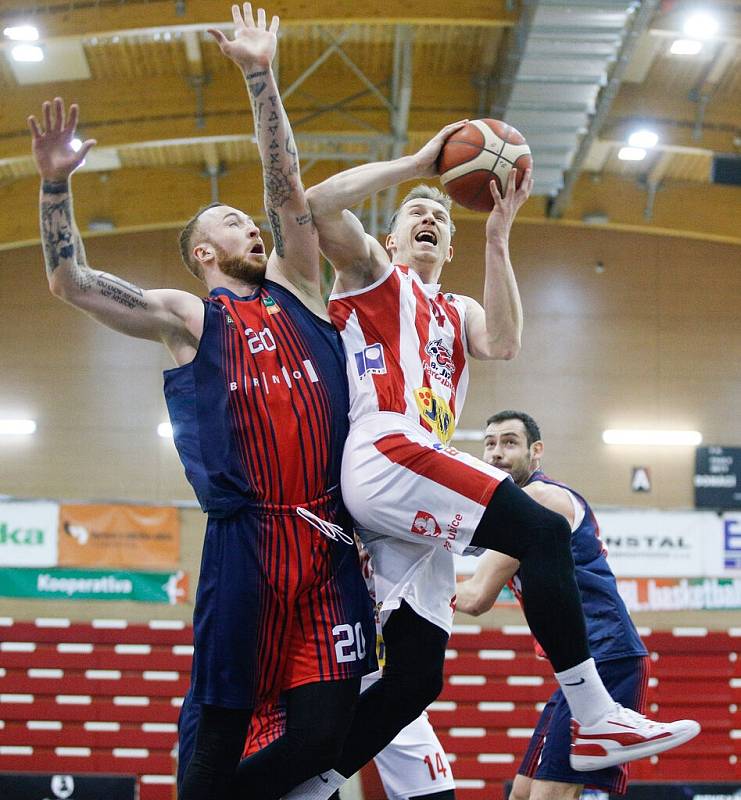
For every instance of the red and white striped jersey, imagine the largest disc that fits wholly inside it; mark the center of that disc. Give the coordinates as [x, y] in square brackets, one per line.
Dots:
[406, 350]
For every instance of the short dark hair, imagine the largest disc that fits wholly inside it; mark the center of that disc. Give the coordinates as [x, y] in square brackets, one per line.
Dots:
[424, 192]
[185, 240]
[531, 426]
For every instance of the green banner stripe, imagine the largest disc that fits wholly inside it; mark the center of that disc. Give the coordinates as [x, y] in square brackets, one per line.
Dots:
[76, 584]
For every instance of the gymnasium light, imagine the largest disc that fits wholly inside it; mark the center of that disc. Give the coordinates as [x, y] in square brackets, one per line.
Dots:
[21, 33]
[651, 437]
[468, 435]
[631, 154]
[76, 144]
[700, 26]
[164, 429]
[27, 52]
[643, 138]
[17, 427]
[686, 47]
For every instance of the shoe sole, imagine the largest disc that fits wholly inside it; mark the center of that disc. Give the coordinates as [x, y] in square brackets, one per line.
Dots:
[632, 753]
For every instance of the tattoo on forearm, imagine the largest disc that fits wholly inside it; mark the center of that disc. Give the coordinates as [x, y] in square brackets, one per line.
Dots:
[274, 221]
[306, 219]
[120, 291]
[57, 232]
[277, 187]
[253, 75]
[292, 151]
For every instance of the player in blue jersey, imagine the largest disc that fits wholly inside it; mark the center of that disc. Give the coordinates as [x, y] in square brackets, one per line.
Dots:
[513, 443]
[259, 403]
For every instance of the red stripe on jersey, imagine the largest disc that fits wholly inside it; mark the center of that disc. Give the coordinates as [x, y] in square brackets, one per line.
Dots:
[459, 351]
[438, 467]
[422, 317]
[378, 313]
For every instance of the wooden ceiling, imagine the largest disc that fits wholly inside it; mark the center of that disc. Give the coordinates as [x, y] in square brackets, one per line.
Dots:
[172, 119]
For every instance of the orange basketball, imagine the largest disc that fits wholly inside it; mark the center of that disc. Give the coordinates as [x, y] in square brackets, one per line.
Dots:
[482, 150]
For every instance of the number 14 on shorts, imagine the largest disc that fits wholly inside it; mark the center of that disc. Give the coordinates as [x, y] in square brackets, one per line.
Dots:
[349, 643]
[438, 768]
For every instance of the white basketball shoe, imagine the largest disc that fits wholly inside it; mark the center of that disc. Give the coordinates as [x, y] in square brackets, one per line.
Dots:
[625, 735]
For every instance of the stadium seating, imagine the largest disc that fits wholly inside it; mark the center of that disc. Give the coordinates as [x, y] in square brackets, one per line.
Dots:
[104, 697]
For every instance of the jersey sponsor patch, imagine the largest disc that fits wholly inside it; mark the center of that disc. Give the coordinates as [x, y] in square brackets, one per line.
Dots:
[370, 361]
[441, 363]
[270, 305]
[425, 524]
[436, 412]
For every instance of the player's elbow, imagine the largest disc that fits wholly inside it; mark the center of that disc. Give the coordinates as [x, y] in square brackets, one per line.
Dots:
[316, 197]
[57, 286]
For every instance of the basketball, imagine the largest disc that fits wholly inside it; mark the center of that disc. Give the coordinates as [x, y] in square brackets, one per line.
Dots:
[481, 150]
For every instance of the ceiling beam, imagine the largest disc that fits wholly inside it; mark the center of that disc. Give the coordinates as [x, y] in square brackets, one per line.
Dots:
[112, 16]
[171, 195]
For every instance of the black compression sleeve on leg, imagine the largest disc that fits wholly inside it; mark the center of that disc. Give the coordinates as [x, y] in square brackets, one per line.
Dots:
[540, 539]
[219, 744]
[412, 678]
[318, 716]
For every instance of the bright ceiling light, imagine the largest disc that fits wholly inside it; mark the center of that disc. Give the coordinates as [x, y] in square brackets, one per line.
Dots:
[686, 47]
[700, 26]
[651, 438]
[631, 154]
[27, 52]
[76, 144]
[164, 429]
[17, 427]
[21, 33]
[643, 138]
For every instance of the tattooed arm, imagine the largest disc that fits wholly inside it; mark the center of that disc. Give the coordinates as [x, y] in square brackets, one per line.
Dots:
[296, 253]
[165, 315]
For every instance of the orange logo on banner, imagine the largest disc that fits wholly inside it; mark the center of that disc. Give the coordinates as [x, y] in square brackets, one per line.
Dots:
[118, 536]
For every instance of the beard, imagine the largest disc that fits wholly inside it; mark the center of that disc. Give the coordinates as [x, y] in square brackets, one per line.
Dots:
[248, 270]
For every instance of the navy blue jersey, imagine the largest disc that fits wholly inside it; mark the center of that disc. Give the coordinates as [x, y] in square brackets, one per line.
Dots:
[260, 416]
[610, 629]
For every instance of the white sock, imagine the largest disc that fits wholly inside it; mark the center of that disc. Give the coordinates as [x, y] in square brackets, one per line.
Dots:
[585, 693]
[320, 787]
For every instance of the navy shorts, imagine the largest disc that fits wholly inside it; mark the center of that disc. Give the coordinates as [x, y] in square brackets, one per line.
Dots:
[547, 757]
[281, 602]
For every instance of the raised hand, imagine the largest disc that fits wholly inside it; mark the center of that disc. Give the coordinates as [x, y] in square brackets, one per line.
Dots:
[254, 44]
[52, 144]
[426, 157]
[506, 207]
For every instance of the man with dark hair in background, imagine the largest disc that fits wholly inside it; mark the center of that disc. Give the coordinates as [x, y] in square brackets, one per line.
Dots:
[512, 443]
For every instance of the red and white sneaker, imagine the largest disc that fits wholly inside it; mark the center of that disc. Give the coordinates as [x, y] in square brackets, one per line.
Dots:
[622, 736]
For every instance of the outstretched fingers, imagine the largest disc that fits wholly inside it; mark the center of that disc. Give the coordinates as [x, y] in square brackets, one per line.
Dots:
[261, 18]
[221, 39]
[58, 114]
[274, 22]
[249, 20]
[72, 116]
[33, 126]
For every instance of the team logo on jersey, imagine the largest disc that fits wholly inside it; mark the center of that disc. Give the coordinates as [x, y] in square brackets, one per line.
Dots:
[229, 321]
[436, 412]
[441, 364]
[425, 524]
[270, 305]
[370, 361]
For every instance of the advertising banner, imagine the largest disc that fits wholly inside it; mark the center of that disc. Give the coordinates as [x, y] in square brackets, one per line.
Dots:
[28, 534]
[732, 542]
[71, 584]
[118, 536]
[662, 543]
[681, 594]
[37, 786]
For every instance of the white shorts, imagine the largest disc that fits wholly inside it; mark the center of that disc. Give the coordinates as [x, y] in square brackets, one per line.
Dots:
[414, 503]
[414, 763]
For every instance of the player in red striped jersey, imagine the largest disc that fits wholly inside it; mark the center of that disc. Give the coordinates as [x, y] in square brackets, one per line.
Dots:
[414, 499]
[258, 402]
